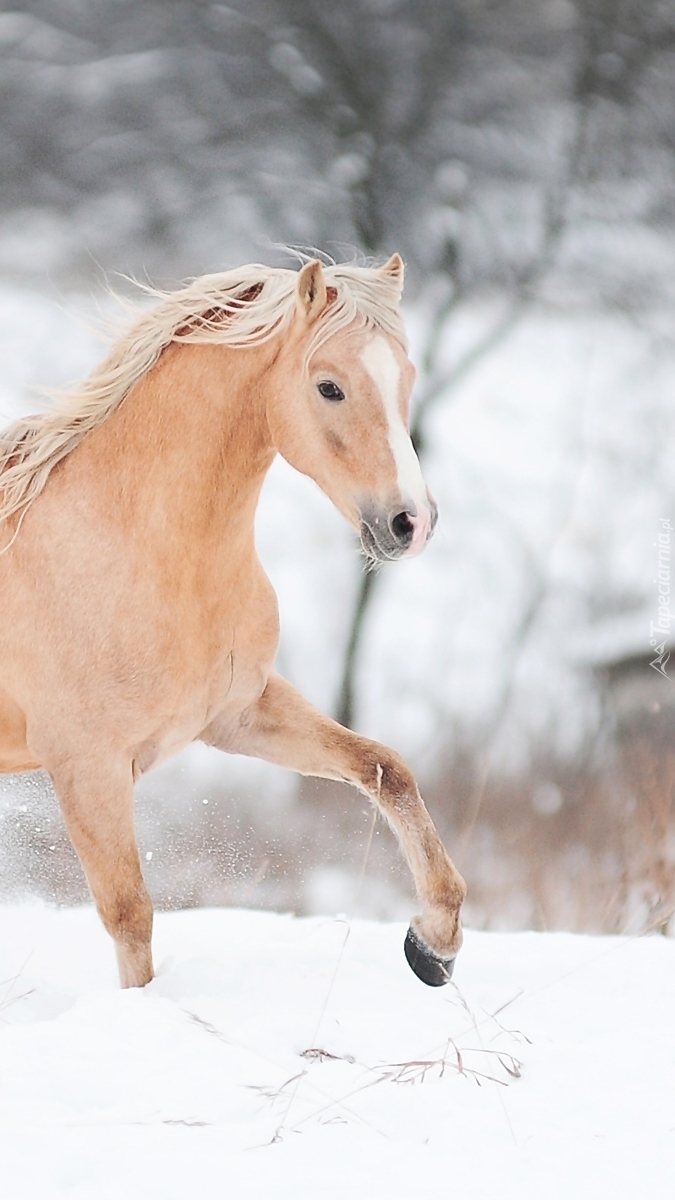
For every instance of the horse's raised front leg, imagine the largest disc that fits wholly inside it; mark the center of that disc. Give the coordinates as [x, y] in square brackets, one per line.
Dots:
[284, 729]
[97, 803]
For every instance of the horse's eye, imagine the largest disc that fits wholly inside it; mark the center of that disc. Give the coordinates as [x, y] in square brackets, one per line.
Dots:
[330, 390]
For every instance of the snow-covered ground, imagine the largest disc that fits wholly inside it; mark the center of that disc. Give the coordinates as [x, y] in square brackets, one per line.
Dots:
[283, 1058]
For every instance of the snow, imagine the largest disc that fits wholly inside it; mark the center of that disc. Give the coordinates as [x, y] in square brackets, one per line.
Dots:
[203, 1083]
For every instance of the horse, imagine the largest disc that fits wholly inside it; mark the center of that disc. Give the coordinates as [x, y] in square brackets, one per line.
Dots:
[136, 616]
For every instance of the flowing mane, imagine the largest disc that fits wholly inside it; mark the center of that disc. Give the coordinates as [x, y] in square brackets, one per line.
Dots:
[242, 307]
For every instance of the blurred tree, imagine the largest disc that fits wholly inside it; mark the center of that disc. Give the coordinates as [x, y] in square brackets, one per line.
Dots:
[445, 128]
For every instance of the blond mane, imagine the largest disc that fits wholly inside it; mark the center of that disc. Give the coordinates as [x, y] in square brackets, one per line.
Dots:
[243, 307]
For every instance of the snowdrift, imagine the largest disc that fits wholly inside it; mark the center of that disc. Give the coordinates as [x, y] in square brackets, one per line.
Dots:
[287, 1058]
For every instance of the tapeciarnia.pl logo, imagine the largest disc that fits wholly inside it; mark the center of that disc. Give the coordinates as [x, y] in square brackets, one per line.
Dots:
[661, 627]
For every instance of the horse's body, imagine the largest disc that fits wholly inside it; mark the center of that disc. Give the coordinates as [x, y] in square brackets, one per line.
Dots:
[136, 616]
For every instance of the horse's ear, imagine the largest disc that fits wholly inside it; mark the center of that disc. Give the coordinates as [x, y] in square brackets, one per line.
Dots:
[310, 291]
[394, 270]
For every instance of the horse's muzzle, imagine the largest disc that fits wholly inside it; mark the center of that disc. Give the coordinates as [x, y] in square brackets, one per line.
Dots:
[386, 536]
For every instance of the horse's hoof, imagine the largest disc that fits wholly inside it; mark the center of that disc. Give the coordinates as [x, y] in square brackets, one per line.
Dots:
[428, 967]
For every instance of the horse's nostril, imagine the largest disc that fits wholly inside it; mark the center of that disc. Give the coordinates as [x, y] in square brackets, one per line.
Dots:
[402, 528]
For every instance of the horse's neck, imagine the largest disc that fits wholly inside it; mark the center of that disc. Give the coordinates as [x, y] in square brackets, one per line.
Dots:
[194, 437]
[185, 455]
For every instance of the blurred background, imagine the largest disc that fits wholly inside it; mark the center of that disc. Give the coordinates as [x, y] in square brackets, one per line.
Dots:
[520, 154]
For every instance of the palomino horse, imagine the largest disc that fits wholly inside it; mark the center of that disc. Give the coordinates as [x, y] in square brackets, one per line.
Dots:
[136, 616]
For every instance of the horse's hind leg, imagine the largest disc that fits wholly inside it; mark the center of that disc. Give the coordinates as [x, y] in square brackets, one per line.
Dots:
[283, 728]
[97, 802]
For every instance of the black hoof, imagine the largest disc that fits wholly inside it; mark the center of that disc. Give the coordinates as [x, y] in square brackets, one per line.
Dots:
[427, 966]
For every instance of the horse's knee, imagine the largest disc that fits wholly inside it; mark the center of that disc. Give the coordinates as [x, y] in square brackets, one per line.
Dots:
[127, 916]
[385, 775]
[128, 920]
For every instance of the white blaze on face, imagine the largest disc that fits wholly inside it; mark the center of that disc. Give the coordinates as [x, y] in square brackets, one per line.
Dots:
[381, 364]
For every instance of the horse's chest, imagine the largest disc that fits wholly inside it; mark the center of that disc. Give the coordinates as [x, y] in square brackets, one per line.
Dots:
[218, 675]
[226, 689]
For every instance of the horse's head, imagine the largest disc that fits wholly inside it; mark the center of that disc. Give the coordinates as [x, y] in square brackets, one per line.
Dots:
[340, 414]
